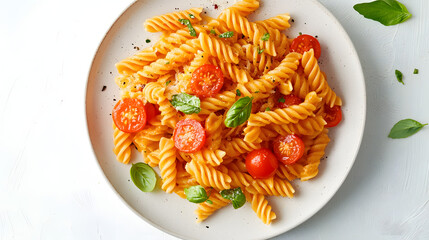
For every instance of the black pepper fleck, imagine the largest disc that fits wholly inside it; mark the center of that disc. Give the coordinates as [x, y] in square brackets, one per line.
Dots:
[176, 8]
[293, 20]
[110, 114]
[147, 40]
[128, 180]
[114, 99]
[104, 88]
[216, 6]
[110, 72]
[316, 36]
[207, 226]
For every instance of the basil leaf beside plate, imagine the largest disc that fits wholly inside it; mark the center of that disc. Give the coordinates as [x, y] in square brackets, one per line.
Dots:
[239, 112]
[399, 76]
[405, 128]
[235, 195]
[387, 12]
[196, 194]
[143, 176]
[186, 103]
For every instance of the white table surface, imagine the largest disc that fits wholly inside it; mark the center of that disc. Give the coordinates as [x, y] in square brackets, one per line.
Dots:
[50, 187]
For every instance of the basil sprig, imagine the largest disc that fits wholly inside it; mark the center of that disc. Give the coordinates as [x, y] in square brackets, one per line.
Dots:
[239, 112]
[405, 128]
[187, 23]
[226, 35]
[265, 37]
[196, 194]
[399, 76]
[387, 12]
[186, 103]
[235, 195]
[143, 176]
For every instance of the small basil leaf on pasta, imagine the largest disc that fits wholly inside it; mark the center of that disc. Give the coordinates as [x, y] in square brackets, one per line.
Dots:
[387, 12]
[235, 195]
[196, 194]
[143, 176]
[238, 92]
[260, 51]
[239, 112]
[187, 23]
[226, 35]
[212, 31]
[265, 37]
[191, 15]
[405, 128]
[186, 103]
[399, 76]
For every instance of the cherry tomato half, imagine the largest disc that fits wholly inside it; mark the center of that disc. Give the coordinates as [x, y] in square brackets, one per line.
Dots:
[189, 136]
[129, 115]
[303, 43]
[289, 100]
[261, 163]
[289, 148]
[333, 116]
[151, 112]
[206, 81]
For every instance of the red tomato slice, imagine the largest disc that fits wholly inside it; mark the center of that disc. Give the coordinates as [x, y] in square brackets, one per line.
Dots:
[303, 43]
[206, 81]
[333, 116]
[289, 100]
[189, 136]
[289, 148]
[151, 112]
[261, 163]
[129, 115]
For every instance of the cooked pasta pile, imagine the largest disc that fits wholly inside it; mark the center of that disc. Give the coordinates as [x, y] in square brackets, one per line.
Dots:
[262, 69]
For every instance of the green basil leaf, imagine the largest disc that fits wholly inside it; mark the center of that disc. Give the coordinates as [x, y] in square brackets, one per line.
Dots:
[235, 195]
[191, 15]
[212, 31]
[226, 35]
[239, 112]
[260, 51]
[387, 12]
[416, 71]
[196, 194]
[186, 103]
[168, 82]
[405, 128]
[238, 92]
[143, 176]
[282, 99]
[399, 76]
[267, 109]
[265, 37]
[187, 23]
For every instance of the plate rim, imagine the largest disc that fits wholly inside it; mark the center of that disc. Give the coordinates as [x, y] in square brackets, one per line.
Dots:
[270, 234]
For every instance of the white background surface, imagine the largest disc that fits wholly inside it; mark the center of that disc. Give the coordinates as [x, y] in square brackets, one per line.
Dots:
[49, 188]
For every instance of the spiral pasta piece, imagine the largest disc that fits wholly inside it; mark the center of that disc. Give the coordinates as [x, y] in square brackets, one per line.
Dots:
[240, 24]
[261, 61]
[317, 80]
[232, 71]
[223, 100]
[167, 164]
[208, 157]
[173, 60]
[154, 93]
[274, 77]
[208, 176]
[308, 126]
[245, 7]
[291, 114]
[316, 152]
[279, 22]
[271, 186]
[175, 39]
[205, 209]
[217, 48]
[252, 134]
[152, 158]
[122, 145]
[261, 207]
[170, 21]
[238, 146]
[213, 126]
[136, 62]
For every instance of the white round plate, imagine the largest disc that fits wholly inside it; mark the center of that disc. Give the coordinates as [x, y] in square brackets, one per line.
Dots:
[175, 215]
